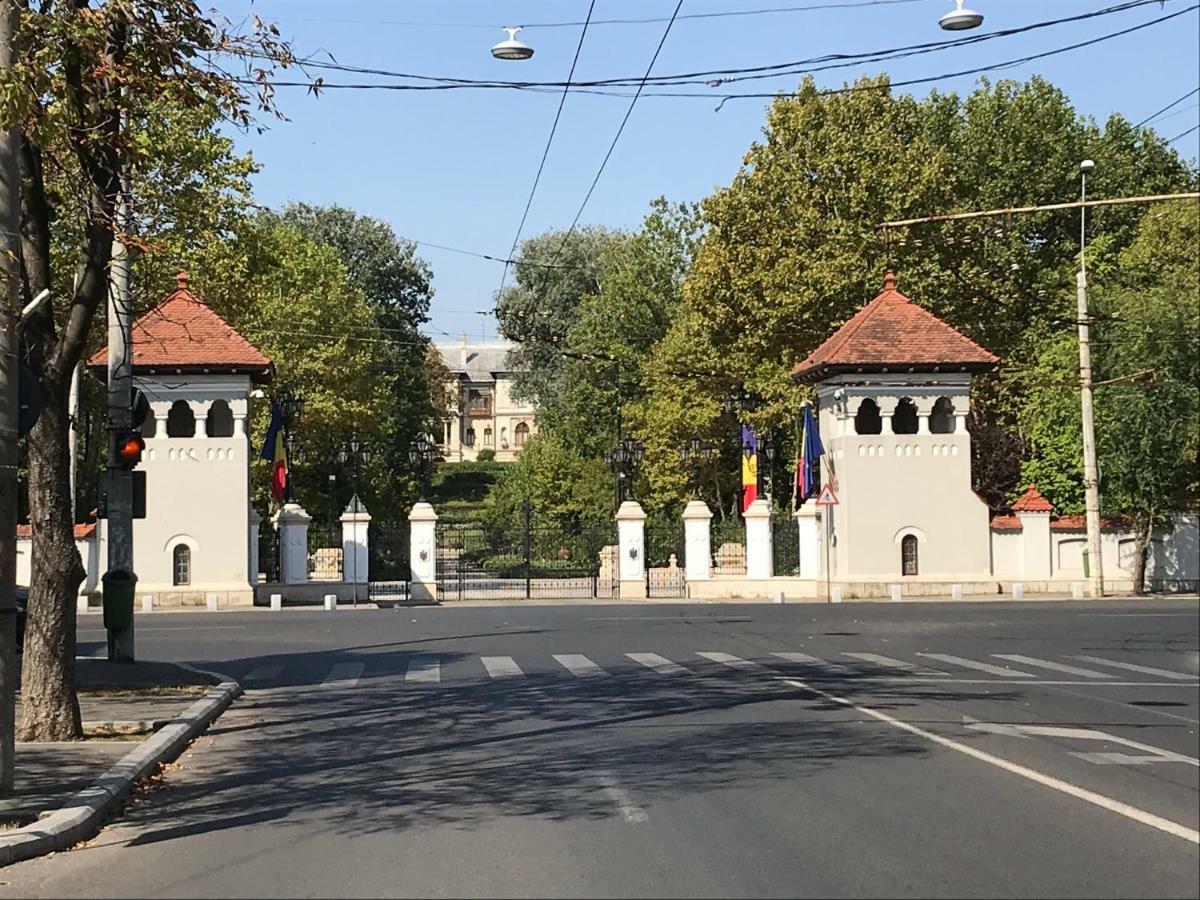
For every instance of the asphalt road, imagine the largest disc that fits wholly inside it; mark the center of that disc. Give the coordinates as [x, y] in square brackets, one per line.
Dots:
[924, 750]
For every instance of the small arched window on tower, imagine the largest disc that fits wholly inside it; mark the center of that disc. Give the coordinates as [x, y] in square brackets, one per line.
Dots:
[867, 420]
[908, 554]
[181, 421]
[149, 426]
[181, 565]
[941, 420]
[904, 419]
[220, 420]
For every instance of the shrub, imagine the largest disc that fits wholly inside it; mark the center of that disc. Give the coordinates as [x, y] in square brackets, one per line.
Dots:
[488, 455]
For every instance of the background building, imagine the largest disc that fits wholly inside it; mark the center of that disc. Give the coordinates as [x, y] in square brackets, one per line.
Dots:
[483, 414]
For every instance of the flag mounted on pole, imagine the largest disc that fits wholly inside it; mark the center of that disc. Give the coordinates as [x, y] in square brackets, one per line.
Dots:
[749, 467]
[275, 451]
[808, 466]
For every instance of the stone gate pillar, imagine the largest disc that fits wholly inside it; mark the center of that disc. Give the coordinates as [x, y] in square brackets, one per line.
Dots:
[697, 540]
[760, 557]
[292, 523]
[422, 552]
[808, 532]
[356, 525]
[631, 549]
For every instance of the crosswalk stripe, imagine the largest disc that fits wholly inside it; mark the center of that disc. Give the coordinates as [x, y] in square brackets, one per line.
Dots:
[890, 662]
[424, 670]
[805, 659]
[263, 673]
[502, 667]
[659, 664]
[343, 675]
[1054, 666]
[726, 659]
[578, 665]
[1145, 670]
[1002, 671]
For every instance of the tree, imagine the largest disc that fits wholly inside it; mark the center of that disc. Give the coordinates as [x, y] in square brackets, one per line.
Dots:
[88, 72]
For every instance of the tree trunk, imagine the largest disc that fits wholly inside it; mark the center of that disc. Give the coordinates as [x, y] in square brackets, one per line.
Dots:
[49, 707]
[1141, 544]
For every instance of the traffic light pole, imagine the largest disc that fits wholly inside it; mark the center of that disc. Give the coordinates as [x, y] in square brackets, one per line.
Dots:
[120, 420]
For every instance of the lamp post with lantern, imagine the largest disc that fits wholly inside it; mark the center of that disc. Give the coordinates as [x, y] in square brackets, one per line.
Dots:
[354, 453]
[422, 455]
[624, 460]
[698, 453]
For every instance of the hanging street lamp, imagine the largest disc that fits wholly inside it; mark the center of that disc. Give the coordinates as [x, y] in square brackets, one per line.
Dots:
[512, 48]
[960, 19]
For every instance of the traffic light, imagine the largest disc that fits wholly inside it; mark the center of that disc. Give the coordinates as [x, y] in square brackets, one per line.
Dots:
[128, 445]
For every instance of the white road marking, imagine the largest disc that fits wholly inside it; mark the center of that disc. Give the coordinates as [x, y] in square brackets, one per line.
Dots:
[1057, 784]
[631, 812]
[424, 670]
[1055, 666]
[1071, 732]
[889, 662]
[343, 675]
[502, 667]
[263, 673]
[726, 659]
[659, 664]
[578, 665]
[1145, 670]
[805, 659]
[981, 666]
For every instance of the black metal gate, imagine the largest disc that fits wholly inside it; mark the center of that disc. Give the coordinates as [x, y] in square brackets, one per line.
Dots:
[484, 561]
[665, 574]
[268, 553]
[388, 563]
[786, 538]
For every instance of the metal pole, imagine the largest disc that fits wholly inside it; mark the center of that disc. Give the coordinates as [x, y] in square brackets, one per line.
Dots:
[10, 217]
[527, 510]
[1091, 486]
[827, 515]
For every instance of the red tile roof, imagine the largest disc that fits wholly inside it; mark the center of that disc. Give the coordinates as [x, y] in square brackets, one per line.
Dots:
[1006, 523]
[1032, 501]
[183, 334]
[1079, 523]
[82, 531]
[892, 332]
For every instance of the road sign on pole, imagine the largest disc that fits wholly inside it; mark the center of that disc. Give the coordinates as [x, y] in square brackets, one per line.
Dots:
[827, 497]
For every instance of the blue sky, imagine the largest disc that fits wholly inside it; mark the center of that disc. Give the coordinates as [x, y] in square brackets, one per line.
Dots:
[455, 167]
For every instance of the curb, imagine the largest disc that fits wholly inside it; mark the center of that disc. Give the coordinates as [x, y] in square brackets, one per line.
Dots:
[83, 815]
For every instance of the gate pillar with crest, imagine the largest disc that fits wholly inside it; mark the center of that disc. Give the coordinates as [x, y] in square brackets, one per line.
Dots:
[422, 555]
[291, 521]
[631, 552]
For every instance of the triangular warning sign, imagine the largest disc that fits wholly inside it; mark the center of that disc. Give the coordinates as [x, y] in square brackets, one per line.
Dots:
[827, 497]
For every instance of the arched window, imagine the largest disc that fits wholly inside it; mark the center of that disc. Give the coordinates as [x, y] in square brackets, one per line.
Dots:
[469, 440]
[908, 554]
[181, 564]
[487, 437]
[867, 420]
[521, 434]
[150, 426]
[904, 419]
[941, 420]
[220, 420]
[181, 421]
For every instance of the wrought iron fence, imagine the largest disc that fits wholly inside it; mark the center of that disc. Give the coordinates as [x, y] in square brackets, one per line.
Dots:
[325, 551]
[665, 557]
[728, 538]
[786, 537]
[268, 552]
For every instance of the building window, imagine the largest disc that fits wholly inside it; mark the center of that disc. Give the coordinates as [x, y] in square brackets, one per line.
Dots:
[487, 437]
[867, 420]
[479, 403]
[908, 554]
[904, 419]
[520, 434]
[181, 421]
[941, 420]
[219, 422]
[469, 440]
[181, 564]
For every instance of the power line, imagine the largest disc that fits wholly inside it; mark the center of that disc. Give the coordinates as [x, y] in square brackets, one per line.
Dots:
[1182, 134]
[546, 152]
[1175, 102]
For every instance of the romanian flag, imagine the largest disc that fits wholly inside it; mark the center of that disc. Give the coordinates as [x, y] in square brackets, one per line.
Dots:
[749, 467]
[808, 465]
[274, 450]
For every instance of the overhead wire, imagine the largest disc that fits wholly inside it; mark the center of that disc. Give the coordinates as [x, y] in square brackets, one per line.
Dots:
[1175, 102]
[1182, 134]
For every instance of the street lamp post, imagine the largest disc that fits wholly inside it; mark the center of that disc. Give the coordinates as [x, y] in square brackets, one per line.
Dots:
[624, 460]
[735, 404]
[292, 408]
[422, 455]
[694, 451]
[767, 448]
[1091, 479]
[354, 453]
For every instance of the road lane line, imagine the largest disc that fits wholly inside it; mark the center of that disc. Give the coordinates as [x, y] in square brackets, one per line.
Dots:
[423, 670]
[727, 659]
[659, 664]
[981, 666]
[502, 667]
[578, 665]
[1130, 667]
[343, 675]
[1057, 784]
[806, 660]
[263, 673]
[889, 662]
[630, 811]
[1055, 666]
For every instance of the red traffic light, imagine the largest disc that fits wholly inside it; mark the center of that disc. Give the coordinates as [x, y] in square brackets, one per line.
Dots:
[129, 447]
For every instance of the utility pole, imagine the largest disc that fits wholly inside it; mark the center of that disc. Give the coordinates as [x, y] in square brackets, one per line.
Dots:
[1091, 480]
[120, 420]
[10, 217]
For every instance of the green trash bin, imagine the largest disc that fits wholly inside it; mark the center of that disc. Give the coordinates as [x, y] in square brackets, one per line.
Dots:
[1087, 568]
[119, 588]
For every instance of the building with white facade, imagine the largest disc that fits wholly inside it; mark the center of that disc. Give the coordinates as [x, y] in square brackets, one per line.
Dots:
[483, 414]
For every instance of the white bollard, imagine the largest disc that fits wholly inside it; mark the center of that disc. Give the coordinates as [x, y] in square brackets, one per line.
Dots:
[81, 603]
[835, 595]
[1018, 591]
[331, 602]
[148, 603]
[277, 602]
[1077, 590]
[210, 601]
[895, 588]
[779, 596]
[956, 591]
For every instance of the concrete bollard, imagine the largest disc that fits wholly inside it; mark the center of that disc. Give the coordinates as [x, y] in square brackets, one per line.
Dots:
[331, 602]
[895, 590]
[835, 595]
[1018, 591]
[81, 604]
[277, 602]
[210, 601]
[1076, 590]
[779, 596]
[148, 603]
[956, 591]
